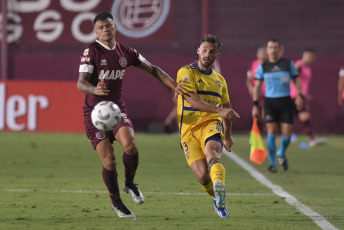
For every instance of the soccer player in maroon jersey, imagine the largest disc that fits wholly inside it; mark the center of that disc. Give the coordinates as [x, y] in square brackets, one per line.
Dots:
[101, 71]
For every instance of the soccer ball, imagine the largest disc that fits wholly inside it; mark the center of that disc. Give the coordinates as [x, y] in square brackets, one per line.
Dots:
[106, 115]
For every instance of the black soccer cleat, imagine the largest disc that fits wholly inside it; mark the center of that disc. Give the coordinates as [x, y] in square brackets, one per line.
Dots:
[272, 169]
[134, 192]
[283, 162]
[122, 210]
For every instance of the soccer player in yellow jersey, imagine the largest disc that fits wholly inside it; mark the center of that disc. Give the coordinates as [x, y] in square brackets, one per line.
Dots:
[205, 117]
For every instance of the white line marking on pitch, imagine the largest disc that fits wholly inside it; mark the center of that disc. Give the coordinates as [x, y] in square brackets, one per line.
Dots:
[158, 193]
[316, 217]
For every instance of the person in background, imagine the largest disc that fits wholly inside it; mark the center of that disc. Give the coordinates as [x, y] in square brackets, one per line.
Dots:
[277, 72]
[341, 87]
[250, 82]
[304, 70]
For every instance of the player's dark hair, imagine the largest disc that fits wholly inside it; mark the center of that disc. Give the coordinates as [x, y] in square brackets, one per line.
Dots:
[102, 17]
[275, 40]
[212, 39]
[310, 50]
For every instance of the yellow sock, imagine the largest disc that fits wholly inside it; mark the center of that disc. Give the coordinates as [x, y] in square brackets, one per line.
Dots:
[207, 186]
[217, 171]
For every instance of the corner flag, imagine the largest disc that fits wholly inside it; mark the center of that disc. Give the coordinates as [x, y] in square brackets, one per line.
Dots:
[258, 151]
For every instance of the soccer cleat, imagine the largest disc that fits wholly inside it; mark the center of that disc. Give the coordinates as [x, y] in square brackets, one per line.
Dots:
[122, 210]
[283, 162]
[272, 169]
[222, 212]
[134, 192]
[316, 141]
[220, 194]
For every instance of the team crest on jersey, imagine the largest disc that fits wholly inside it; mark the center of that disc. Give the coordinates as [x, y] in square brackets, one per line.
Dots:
[103, 62]
[85, 52]
[100, 135]
[218, 83]
[123, 62]
[186, 78]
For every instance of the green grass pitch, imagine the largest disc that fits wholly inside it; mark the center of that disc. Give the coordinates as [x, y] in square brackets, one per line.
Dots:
[53, 181]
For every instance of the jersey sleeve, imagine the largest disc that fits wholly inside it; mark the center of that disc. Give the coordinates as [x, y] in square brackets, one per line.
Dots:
[86, 61]
[185, 75]
[341, 72]
[259, 73]
[293, 72]
[225, 97]
[135, 57]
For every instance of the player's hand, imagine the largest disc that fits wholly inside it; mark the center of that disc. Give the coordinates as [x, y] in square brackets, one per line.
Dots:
[101, 89]
[255, 111]
[229, 113]
[179, 90]
[228, 143]
[299, 102]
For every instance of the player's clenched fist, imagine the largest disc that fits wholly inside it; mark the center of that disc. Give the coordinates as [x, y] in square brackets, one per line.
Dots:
[101, 89]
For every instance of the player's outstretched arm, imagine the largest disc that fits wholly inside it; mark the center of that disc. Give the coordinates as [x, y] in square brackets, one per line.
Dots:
[86, 87]
[157, 73]
[203, 106]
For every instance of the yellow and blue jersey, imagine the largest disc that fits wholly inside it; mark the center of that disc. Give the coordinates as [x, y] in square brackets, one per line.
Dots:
[210, 87]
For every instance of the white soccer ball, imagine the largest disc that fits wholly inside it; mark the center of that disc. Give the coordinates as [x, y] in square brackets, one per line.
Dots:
[106, 115]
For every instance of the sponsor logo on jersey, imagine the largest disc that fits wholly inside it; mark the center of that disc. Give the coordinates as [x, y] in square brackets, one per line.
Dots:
[85, 59]
[85, 52]
[103, 62]
[275, 69]
[125, 118]
[100, 135]
[285, 78]
[218, 83]
[111, 74]
[211, 102]
[123, 62]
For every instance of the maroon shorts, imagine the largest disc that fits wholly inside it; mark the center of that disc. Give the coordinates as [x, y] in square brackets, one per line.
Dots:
[95, 136]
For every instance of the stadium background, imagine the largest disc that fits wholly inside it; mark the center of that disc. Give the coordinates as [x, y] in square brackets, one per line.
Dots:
[38, 87]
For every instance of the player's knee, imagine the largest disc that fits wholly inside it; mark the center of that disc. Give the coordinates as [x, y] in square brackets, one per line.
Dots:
[202, 179]
[130, 148]
[304, 116]
[212, 151]
[109, 164]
